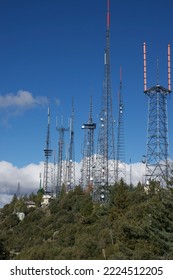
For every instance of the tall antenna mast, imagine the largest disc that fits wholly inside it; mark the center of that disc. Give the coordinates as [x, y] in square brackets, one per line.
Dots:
[60, 166]
[120, 160]
[48, 154]
[88, 152]
[71, 155]
[105, 159]
[157, 166]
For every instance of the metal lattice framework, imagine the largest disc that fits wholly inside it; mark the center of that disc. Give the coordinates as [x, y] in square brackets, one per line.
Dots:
[105, 158]
[157, 165]
[87, 171]
[157, 141]
[61, 162]
[71, 155]
[47, 178]
[120, 159]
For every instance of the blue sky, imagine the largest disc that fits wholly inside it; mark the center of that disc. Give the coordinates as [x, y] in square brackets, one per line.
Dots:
[52, 50]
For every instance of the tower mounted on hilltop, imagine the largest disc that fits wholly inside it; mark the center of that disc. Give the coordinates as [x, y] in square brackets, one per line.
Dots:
[157, 165]
[88, 152]
[47, 179]
[71, 155]
[61, 162]
[105, 158]
[120, 160]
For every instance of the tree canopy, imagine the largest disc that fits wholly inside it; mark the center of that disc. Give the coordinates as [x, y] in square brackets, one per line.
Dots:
[135, 224]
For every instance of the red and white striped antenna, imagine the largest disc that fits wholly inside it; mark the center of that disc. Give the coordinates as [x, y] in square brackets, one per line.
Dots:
[169, 67]
[108, 14]
[145, 67]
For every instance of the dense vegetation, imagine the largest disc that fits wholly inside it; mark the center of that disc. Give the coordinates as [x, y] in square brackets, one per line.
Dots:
[135, 225]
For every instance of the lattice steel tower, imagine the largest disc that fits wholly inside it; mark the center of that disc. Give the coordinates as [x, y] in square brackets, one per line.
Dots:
[120, 159]
[88, 152]
[157, 165]
[61, 162]
[71, 155]
[47, 178]
[105, 161]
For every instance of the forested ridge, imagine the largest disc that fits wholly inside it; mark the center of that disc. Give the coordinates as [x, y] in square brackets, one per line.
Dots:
[136, 224]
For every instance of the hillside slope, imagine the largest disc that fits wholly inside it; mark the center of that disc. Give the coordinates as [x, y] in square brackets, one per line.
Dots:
[135, 225]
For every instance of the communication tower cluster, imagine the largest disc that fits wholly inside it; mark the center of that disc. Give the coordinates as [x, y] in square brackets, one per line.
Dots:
[103, 168]
[61, 172]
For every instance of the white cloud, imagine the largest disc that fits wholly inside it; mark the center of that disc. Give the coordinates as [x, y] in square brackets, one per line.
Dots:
[23, 99]
[10, 176]
[14, 104]
[136, 171]
[29, 178]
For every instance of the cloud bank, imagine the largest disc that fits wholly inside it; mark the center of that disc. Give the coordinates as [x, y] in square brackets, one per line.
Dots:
[29, 178]
[11, 176]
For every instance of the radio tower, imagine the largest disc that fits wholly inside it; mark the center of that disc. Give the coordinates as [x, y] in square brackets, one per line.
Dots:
[88, 152]
[71, 157]
[47, 168]
[60, 165]
[120, 160]
[105, 159]
[157, 166]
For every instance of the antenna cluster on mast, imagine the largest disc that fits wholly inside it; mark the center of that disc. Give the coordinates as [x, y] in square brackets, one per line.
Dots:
[157, 165]
[105, 158]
